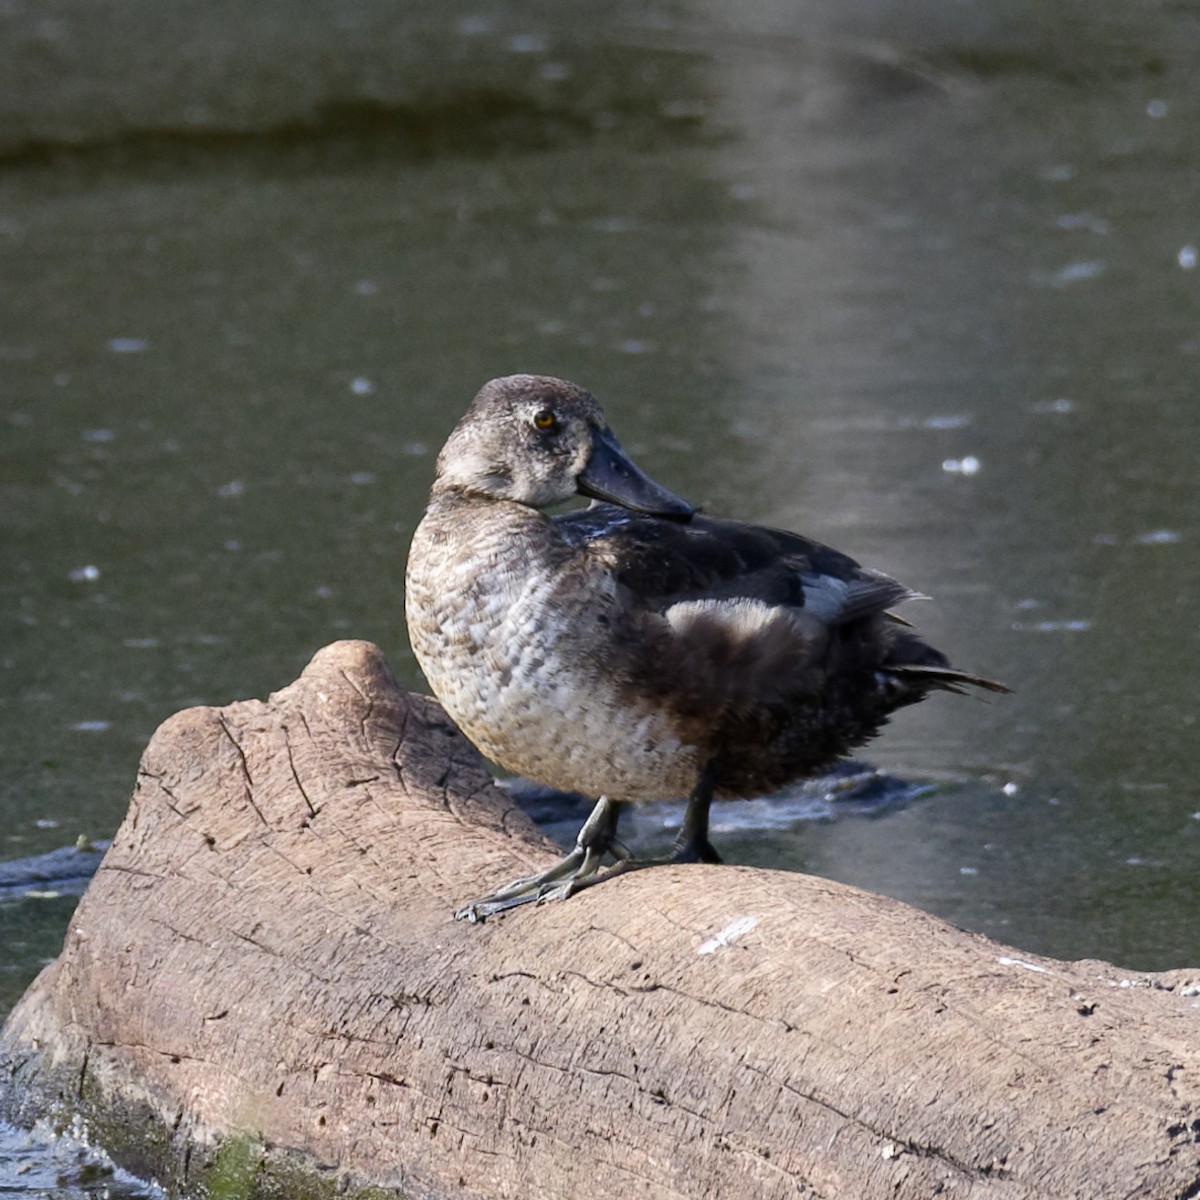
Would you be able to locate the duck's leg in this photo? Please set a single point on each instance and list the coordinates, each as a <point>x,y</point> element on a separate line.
<point>597,837</point>
<point>692,844</point>
<point>581,868</point>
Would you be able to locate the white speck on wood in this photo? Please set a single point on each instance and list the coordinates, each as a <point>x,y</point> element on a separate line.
<point>728,935</point>
<point>1004,961</point>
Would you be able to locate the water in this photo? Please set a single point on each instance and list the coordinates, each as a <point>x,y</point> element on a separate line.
<point>63,1166</point>
<point>916,279</point>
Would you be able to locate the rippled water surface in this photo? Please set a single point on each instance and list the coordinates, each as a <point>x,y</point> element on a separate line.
<point>918,280</point>
<point>40,1163</point>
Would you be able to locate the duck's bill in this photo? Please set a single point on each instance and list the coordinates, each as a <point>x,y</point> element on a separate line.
<point>611,475</point>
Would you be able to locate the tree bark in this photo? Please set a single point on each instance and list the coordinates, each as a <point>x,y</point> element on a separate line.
<point>266,961</point>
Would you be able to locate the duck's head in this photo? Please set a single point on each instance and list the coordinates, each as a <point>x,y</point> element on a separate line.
<point>539,441</point>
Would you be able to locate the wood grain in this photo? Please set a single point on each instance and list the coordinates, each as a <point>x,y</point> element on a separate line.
<point>266,957</point>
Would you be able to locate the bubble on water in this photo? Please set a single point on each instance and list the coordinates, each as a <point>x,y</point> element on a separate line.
<point>235,487</point>
<point>527,43</point>
<point>362,386</point>
<point>1077,625</point>
<point>90,726</point>
<point>87,574</point>
<point>554,72</point>
<point>1187,257</point>
<point>634,346</point>
<point>1061,405</point>
<point>362,478</point>
<point>1158,537</point>
<point>98,435</point>
<point>366,287</point>
<point>1010,788</point>
<point>1084,220</point>
<point>953,421</point>
<point>1076,272</point>
<point>968,870</point>
<point>46,823</point>
<point>128,345</point>
<point>968,465</point>
<point>1156,109</point>
<point>142,643</point>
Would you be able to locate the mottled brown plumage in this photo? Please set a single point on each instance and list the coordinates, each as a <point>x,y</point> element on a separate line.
<point>636,650</point>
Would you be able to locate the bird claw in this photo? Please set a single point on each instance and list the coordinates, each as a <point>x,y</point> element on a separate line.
<point>582,867</point>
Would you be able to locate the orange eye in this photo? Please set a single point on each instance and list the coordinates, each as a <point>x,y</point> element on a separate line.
<point>545,420</point>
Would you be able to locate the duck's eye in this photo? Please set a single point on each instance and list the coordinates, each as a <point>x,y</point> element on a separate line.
<point>545,420</point>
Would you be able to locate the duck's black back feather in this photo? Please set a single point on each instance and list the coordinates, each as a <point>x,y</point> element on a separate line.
<point>665,562</point>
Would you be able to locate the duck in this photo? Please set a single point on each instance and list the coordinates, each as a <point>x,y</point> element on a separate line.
<point>638,649</point>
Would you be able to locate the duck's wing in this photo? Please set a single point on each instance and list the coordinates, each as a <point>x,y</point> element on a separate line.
<point>662,564</point>
<point>722,622</point>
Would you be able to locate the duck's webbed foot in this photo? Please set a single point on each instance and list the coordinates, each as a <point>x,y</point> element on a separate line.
<point>581,868</point>
<point>576,870</point>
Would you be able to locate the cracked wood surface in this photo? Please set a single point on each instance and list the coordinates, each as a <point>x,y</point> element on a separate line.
<point>267,949</point>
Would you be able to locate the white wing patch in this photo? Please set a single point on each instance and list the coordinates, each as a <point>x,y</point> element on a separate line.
<point>742,618</point>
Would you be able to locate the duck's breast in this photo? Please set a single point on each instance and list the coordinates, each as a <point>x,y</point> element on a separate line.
<point>517,637</point>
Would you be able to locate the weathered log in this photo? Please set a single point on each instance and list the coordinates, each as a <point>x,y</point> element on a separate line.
<point>265,973</point>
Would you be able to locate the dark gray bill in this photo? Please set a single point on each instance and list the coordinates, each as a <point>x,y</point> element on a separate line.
<point>610,475</point>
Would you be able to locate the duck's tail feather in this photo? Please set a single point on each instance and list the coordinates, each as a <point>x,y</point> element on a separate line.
<point>945,678</point>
